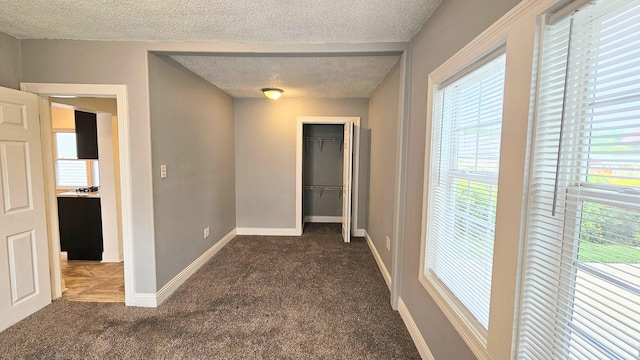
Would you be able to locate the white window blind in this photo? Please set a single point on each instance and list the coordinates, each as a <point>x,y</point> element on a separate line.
<point>71,173</point>
<point>581,284</point>
<point>465,153</point>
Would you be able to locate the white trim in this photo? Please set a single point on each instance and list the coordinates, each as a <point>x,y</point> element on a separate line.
<point>418,339</point>
<point>376,255</point>
<point>355,178</point>
<point>51,203</point>
<point>267,231</point>
<point>300,121</point>
<point>120,93</point>
<point>144,300</point>
<point>170,287</point>
<point>323,219</point>
<point>111,257</point>
<point>359,232</point>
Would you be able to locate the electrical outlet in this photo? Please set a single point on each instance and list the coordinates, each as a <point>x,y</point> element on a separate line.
<point>163,171</point>
<point>388,243</point>
<point>206,232</point>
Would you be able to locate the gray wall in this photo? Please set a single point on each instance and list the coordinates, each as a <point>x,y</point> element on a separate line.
<point>453,25</point>
<point>266,156</point>
<point>10,65</point>
<point>322,165</point>
<point>192,132</point>
<point>383,122</point>
<point>105,62</point>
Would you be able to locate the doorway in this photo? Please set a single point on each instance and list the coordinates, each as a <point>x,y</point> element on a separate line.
<point>44,90</point>
<point>87,192</point>
<point>336,180</point>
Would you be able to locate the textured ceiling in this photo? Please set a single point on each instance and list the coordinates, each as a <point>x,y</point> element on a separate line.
<point>239,21</point>
<point>316,77</point>
<point>245,21</point>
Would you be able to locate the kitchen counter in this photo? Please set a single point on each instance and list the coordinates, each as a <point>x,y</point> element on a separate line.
<point>73,193</point>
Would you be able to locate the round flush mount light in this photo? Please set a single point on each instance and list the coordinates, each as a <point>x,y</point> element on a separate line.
<point>272,93</point>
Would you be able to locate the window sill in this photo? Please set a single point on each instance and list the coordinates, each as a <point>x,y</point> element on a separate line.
<point>467,327</point>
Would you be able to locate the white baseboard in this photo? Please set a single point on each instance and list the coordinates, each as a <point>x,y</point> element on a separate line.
<point>179,279</point>
<point>323,219</point>
<point>144,300</point>
<point>113,257</point>
<point>153,300</point>
<point>359,232</point>
<point>267,231</point>
<point>376,255</point>
<point>418,340</point>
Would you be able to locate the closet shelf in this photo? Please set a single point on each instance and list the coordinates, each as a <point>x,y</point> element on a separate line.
<point>323,188</point>
<point>322,140</point>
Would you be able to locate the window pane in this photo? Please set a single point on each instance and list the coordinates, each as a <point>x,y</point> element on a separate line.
<point>66,145</point>
<point>71,173</point>
<point>605,280</point>
<point>614,142</point>
<point>464,184</point>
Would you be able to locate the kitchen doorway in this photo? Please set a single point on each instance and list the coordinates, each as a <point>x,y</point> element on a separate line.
<point>87,187</point>
<point>119,93</point>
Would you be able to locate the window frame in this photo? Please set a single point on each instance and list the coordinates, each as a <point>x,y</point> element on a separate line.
<point>469,328</point>
<point>573,190</point>
<point>445,167</point>
<point>89,164</point>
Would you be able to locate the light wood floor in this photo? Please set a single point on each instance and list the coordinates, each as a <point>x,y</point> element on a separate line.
<point>93,281</point>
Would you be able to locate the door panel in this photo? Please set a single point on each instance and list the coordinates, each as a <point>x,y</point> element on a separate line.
<point>347,172</point>
<point>25,286</point>
<point>22,266</point>
<point>13,114</point>
<point>15,176</point>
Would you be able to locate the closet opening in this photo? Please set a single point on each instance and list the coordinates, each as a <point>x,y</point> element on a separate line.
<point>322,173</point>
<point>325,172</point>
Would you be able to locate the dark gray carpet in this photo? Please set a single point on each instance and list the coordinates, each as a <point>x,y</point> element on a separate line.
<point>312,297</point>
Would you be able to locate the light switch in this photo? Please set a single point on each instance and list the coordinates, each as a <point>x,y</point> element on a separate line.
<point>163,171</point>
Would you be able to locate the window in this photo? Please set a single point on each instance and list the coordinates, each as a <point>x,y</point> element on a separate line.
<point>581,285</point>
<point>465,154</point>
<point>72,172</point>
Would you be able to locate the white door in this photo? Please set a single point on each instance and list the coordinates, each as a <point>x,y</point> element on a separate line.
<point>347,170</point>
<point>25,285</point>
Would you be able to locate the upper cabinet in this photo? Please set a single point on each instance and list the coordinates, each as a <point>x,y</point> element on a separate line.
<point>86,135</point>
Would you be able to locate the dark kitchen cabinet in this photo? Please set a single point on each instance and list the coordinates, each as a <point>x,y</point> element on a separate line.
<point>80,223</point>
<point>86,135</point>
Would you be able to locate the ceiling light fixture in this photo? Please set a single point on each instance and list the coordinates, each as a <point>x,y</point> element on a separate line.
<point>272,93</point>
